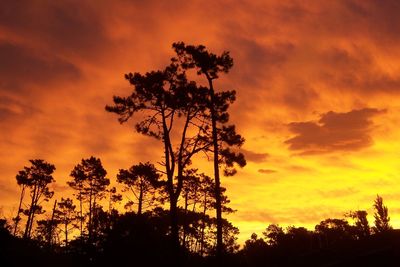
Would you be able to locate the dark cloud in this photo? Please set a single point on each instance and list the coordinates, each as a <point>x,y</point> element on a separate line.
<point>257,61</point>
<point>376,18</point>
<point>355,70</point>
<point>300,97</point>
<point>13,114</point>
<point>266,171</point>
<point>72,26</point>
<point>333,132</point>
<point>20,66</point>
<point>373,82</point>
<point>255,156</point>
<point>12,110</point>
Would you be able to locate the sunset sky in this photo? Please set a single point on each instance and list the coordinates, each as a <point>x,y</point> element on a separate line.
<point>318,96</point>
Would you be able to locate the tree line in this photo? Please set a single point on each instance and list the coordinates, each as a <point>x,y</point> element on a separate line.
<point>106,236</point>
<point>91,215</point>
<point>346,241</point>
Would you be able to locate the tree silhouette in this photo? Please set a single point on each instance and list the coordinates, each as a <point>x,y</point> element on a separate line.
<point>114,197</point>
<point>298,238</point>
<point>66,215</point>
<point>255,251</point>
<point>142,180</point>
<point>381,216</point>
<point>274,234</point>
<point>192,184</point>
<point>229,235</point>
<point>333,231</point>
<point>89,178</point>
<point>198,199</point>
<point>207,191</point>
<point>37,177</point>
<point>121,237</point>
<point>167,100</point>
<point>23,183</point>
<point>102,223</point>
<point>222,137</point>
<point>47,229</point>
<point>362,228</point>
<point>190,191</point>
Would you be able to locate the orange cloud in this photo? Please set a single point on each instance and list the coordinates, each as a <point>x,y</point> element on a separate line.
<point>255,156</point>
<point>333,132</point>
<point>266,171</point>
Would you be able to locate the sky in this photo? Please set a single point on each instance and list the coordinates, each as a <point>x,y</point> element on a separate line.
<point>318,96</point>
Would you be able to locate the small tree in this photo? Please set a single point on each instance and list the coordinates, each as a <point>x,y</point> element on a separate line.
<point>78,184</point>
<point>46,231</point>
<point>142,180</point>
<point>37,177</point>
<point>334,230</point>
<point>381,216</point>
<point>114,198</point>
<point>361,226</point>
<point>65,215</point>
<point>274,234</point>
<point>191,190</point>
<point>89,178</point>
<point>23,183</point>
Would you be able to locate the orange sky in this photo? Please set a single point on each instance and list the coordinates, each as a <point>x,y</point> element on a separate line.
<point>318,87</point>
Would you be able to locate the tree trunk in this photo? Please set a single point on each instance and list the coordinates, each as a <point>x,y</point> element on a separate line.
<point>90,213</point>
<point>81,212</point>
<point>109,203</point>
<point>140,200</point>
<point>203,225</point>
<point>173,210</point>
<point>31,221</point>
<point>17,218</point>
<point>185,221</point>
<point>174,229</point>
<point>51,224</point>
<point>30,215</point>
<point>35,206</point>
<point>94,226</point>
<point>216,174</point>
<point>66,231</point>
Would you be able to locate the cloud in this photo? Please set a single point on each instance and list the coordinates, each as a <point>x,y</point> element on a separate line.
<point>12,109</point>
<point>266,171</point>
<point>254,156</point>
<point>21,66</point>
<point>355,69</point>
<point>378,16</point>
<point>333,132</point>
<point>257,60</point>
<point>300,97</point>
<point>297,168</point>
<point>74,27</point>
